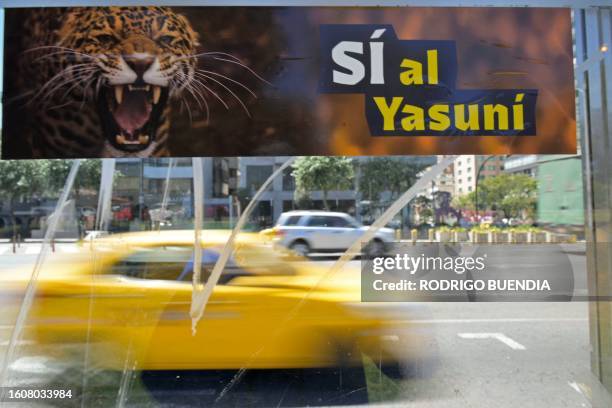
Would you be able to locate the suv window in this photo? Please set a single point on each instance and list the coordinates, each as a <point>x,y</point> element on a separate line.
<point>291,220</point>
<point>328,221</point>
<point>340,222</point>
<point>318,221</point>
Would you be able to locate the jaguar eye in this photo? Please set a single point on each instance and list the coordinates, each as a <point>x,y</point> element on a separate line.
<point>165,39</point>
<point>105,38</point>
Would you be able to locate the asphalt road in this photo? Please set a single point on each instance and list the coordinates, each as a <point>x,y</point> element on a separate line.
<point>493,354</point>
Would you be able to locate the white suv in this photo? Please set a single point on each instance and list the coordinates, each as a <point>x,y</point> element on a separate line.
<point>322,231</point>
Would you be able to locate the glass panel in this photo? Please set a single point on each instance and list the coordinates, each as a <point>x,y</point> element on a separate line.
<point>107,315</point>
<point>110,314</point>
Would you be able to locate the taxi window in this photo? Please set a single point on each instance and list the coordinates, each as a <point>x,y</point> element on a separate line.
<point>172,263</point>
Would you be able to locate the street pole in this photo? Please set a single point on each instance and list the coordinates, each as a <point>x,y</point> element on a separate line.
<point>433,203</point>
<point>141,191</point>
<point>231,210</point>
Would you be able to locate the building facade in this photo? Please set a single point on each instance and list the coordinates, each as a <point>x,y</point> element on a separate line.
<point>468,169</point>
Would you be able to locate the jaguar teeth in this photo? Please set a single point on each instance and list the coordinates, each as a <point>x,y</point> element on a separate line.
<point>156,94</point>
<point>119,93</point>
<point>120,139</point>
<point>143,139</point>
<point>138,88</point>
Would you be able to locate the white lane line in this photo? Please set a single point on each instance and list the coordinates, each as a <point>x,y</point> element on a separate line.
<point>33,249</point>
<point>35,365</point>
<point>575,386</point>
<point>19,343</point>
<point>579,389</point>
<point>501,320</point>
<point>69,249</point>
<point>515,345</point>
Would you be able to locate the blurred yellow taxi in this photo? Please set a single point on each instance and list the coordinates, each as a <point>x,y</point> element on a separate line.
<point>127,298</point>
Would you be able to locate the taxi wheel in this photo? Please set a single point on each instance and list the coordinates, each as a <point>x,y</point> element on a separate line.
<point>395,371</point>
<point>301,248</point>
<point>375,248</point>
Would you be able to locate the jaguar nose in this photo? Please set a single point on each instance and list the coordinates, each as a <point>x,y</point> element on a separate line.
<point>139,64</point>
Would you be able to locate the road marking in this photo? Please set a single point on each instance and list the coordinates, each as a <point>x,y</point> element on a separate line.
<point>502,320</point>
<point>575,386</point>
<point>515,345</point>
<point>69,249</point>
<point>35,365</point>
<point>33,249</point>
<point>579,389</point>
<point>19,343</point>
<point>3,250</point>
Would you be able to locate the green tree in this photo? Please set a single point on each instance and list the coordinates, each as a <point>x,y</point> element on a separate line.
<point>22,178</point>
<point>323,173</point>
<point>380,174</point>
<point>423,207</point>
<point>88,176</point>
<point>464,202</point>
<point>27,179</point>
<point>513,194</point>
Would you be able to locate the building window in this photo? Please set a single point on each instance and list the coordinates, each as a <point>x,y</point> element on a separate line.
<point>288,180</point>
<point>548,183</point>
<point>256,175</point>
<point>220,177</point>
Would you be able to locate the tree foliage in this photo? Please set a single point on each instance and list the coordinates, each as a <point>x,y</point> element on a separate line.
<point>464,202</point>
<point>380,174</point>
<point>44,178</point>
<point>88,176</point>
<point>323,173</point>
<point>512,194</point>
<point>22,177</point>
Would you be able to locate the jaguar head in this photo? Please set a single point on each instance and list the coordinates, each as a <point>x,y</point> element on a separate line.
<point>131,60</point>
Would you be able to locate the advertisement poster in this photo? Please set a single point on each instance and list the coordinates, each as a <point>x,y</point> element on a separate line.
<point>257,81</point>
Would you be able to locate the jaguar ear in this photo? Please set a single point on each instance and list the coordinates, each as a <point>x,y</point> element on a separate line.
<point>194,36</point>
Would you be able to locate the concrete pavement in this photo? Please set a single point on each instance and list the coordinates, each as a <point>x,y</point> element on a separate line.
<point>490,354</point>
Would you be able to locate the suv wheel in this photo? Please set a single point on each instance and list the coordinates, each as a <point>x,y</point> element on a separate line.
<point>301,248</point>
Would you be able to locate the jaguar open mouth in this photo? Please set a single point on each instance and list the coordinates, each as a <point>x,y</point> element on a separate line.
<point>130,114</point>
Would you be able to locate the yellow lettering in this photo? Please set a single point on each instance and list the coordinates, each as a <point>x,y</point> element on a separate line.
<point>438,115</point>
<point>432,67</point>
<point>517,113</point>
<point>490,111</point>
<point>388,111</point>
<point>415,120</point>
<point>414,74</point>
<point>471,123</point>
